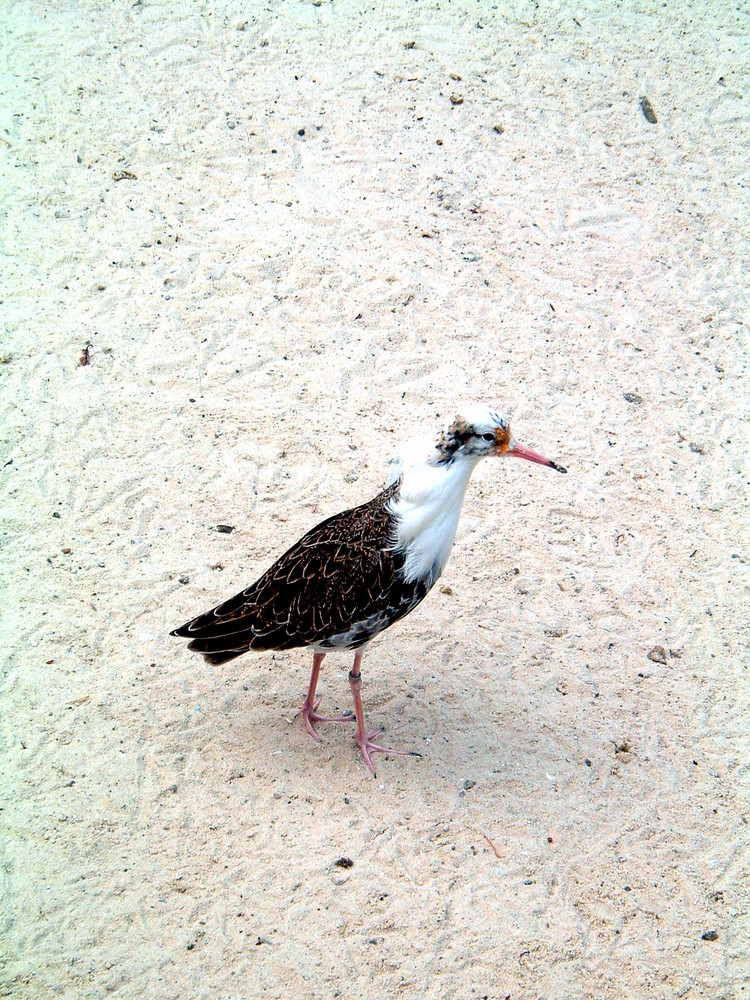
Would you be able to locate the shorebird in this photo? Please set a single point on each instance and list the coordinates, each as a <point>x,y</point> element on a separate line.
<point>356,573</point>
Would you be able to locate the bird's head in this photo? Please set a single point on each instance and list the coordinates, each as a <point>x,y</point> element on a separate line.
<point>478,432</point>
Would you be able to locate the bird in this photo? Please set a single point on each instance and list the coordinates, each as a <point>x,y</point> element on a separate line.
<point>358,572</point>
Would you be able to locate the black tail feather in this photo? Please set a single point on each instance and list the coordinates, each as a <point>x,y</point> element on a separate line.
<point>217,658</point>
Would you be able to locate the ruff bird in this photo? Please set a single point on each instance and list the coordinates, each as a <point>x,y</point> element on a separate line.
<point>356,573</point>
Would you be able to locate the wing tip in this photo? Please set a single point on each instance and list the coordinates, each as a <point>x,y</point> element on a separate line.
<point>215,659</point>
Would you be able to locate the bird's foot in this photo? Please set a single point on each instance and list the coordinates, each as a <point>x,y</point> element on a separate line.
<point>311,716</point>
<point>367,746</point>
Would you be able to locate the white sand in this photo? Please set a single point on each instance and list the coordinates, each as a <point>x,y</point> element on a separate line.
<point>267,313</point>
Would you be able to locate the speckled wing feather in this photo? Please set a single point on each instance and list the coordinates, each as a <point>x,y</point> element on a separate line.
<point>337,586</point>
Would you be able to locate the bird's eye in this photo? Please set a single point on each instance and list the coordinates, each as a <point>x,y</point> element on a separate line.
<point>488,437</point>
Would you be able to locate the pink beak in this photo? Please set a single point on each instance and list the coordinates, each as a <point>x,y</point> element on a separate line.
<point>520,451</point>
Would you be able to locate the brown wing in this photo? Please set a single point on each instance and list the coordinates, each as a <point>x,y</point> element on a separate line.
<point>337,574</point>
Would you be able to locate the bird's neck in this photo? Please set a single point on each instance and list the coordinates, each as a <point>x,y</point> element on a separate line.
<point>426,513</point>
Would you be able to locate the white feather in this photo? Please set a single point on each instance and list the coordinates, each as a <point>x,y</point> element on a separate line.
<point>431,496</point>
<point>427,513</point>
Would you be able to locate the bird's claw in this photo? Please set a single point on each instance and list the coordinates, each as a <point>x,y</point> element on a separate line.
<point>310,716</point>
<point>367,746</point>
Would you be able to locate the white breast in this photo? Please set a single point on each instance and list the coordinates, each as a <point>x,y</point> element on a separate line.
<point>427,511</point>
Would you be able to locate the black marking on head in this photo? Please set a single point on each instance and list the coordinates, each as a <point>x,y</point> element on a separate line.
<point>454,438</point>
<point>463,435</point>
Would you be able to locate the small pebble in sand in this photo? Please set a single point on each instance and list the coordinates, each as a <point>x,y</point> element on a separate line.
<point>456,99</point>
<point>623,750</point>
<point>225,529</point>
<point>710,936</point>
<point>648,111</point>
<point>658,654</point>
<point>344,863</point>
<point>632,397</point>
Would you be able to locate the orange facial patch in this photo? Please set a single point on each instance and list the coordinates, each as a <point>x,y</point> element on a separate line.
<point>502,438</point>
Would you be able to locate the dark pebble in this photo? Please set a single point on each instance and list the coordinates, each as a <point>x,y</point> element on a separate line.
<point>225,529</point>
<point>710,936</point>
<point>658,655</point>
<point>300,131</point>
<point>344,863</point>
<point>469,784</point>
<point>184,579</point>
<point>632,397</point>
<point>648,111</point>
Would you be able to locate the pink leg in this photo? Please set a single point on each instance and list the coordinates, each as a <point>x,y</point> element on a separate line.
<point>364,741</point>
<point>309,705</point>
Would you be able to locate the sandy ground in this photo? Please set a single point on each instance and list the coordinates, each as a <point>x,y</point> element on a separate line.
<point>342,222</point>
